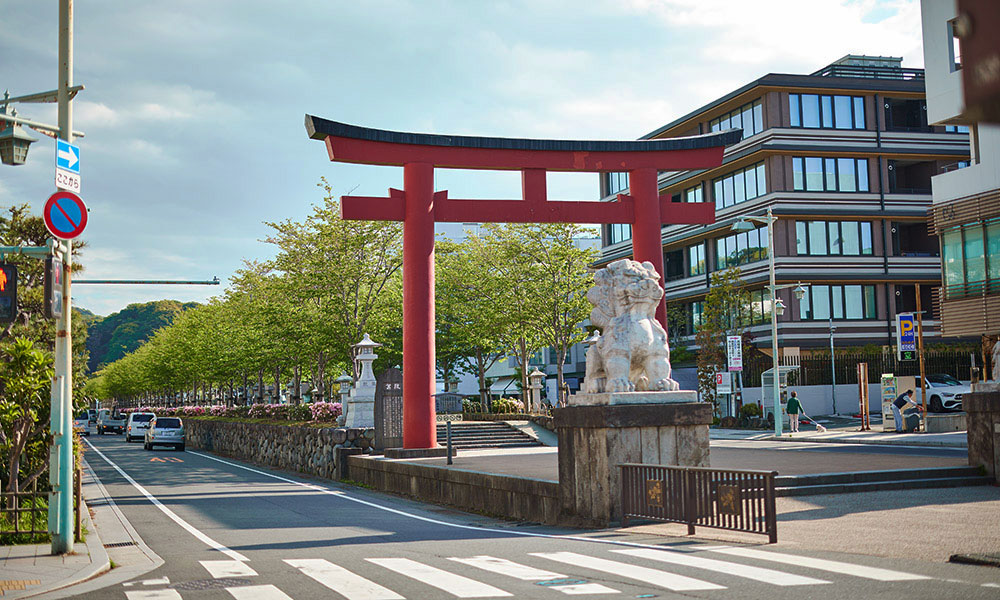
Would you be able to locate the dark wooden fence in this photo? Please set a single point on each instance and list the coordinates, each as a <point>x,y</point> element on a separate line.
<point>737,500</point>
<point>815,370</point>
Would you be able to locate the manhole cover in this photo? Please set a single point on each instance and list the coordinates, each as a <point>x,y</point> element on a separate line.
<point>210,584</point>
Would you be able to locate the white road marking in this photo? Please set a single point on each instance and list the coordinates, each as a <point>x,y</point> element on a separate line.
<point>832,566</point>
<point>173,516</point>
<point>459,586</point>
<point>160,581</point>
<point>528,573</point>
<point>342,581</point>
<point>154,595</point>
<point>227,568</point>
<point>508,568</point>
<point>670,581</point>
<point>721,566</point>
<point>258,592</point>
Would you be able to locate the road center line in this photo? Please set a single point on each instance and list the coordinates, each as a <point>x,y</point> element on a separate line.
<point>173,516</point>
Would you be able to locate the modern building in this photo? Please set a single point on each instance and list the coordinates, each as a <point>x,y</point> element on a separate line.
<point>966,202</point>
<point>844,158</point>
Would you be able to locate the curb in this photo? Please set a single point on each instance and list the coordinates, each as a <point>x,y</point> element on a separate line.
<point>864,442</point>
<point>99,561</point>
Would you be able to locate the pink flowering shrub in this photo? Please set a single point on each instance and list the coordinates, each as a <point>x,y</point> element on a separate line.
<point>325,411</point>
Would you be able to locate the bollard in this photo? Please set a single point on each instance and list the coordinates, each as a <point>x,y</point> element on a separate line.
<point>448,424</point>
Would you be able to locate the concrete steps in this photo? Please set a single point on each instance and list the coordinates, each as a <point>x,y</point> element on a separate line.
<point>484,435</point>
<point>873,481</point>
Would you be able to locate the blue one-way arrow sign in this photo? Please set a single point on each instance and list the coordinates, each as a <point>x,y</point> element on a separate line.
<point>67,157</point>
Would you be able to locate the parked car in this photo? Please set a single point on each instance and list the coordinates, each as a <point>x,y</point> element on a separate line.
<point>944,393</point>
<point>81,424</point>
<point>137,424</point>
<point>110,421</point>
<point>165,431</point>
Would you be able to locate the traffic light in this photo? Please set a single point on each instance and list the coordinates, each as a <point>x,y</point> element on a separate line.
<point>8,293</point>
<point>53,287</point>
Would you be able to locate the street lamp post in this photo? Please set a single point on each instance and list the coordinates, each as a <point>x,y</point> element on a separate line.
<point>744,224</point>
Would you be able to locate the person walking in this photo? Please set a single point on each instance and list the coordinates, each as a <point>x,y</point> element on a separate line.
<point>904,399</point>
<point>794,409</point>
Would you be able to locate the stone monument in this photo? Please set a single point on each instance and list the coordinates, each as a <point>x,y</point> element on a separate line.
<point>630,411</point>
<point>361,403</point>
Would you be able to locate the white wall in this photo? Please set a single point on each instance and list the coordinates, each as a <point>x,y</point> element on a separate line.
<point>976,178</point>
<point>818,399</point>
<point>944,86</point>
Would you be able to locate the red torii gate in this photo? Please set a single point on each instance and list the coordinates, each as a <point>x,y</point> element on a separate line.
<point>419,207</point>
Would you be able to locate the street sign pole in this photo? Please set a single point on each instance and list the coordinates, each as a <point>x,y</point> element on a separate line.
<point>61,471</point>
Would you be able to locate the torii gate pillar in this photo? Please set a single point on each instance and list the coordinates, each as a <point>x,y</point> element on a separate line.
<point>419,207</point>
<point>419,418</point>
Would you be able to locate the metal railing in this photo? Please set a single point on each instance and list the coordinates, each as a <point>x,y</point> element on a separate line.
<point>737,500</point>
<point>25,512</point>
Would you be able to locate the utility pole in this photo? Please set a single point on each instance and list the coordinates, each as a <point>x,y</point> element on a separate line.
<point>61,459</point>
<point>833,369</point>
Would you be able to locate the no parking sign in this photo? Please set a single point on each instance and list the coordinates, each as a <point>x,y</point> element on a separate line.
<point>65,215</point>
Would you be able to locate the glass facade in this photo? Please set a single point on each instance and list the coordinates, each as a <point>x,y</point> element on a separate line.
<point>749,118</point>
<point>972,259</point>
<point>617,182</point>
<point>739,186</point>
<point>829,112</point>
<point>837,302</point>
<point>821,238</point>
<point>816,174</point>
<point>696,259</point>
<point>618,232</point>
<point>741,248</point>
<point>693,194</point>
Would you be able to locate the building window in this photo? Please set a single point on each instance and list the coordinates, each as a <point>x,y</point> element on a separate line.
<point>824,238</point>
<point>955,48</point>
<point>617,182</point>
<point>618,232</point>
<point>749,118</point>
<point>956,129</point>
<point>830,112</point>
<point>696,259</point>
<point>739,186</point>
<point>815,174</point>
<point>758,311</point>
<point>695,310</point>
<point>972,259</point>
<point>693,194</point>
<point>825,302</point>
<point>741,248</point>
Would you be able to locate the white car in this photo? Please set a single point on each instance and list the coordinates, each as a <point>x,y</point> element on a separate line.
<point>137,424</point>
<point>944,393</point>
<point>165,431</point>
<point>81,424</point>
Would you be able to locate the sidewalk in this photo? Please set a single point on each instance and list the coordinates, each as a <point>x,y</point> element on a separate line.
<point>31,571</point>
<point>842,430</point>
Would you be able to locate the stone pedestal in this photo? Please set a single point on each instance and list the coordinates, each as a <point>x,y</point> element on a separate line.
<point>983,421</point>
<point>594,439</point>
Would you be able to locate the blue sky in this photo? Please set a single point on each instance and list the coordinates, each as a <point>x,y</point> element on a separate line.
<point>193,110</point>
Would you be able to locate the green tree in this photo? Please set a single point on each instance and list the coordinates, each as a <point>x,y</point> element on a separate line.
<point>26,376</point>
<point>724,313</point>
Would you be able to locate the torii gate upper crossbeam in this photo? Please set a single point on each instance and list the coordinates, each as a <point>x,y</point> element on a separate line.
<point>419,207</point>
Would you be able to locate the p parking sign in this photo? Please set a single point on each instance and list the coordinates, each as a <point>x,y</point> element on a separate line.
<point>906,337</point>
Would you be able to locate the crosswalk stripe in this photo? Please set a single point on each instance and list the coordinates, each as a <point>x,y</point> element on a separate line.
<point>756,573</point>
<point>528,573</point>
<point>154,595</point>
<point>459,586</point>
<point>228,568</point>
<point>646,575</point>
<point>258,592</point>
<point>822,564</point>
<point>342,581</point>
<point>508,568</point>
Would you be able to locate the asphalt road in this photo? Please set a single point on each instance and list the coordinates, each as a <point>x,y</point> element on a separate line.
<point>230,530</point>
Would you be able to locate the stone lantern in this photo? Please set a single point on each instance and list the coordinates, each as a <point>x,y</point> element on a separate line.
<point>344,382</point>
<point>536,377</point>
<point>362,401</point>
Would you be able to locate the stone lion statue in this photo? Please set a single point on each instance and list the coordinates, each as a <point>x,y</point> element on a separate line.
<point>632,353</point>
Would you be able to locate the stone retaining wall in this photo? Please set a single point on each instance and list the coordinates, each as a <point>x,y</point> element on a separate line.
<point>302,449</point>
<point>486,493</point>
